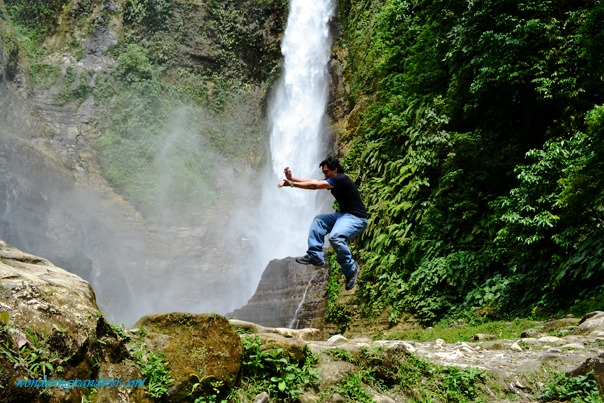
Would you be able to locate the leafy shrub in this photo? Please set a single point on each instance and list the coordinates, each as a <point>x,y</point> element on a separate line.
<point>133,65</point>
<point>434,383</point>
<point>152,13</point>
<point>353,388</point>
<point>275,371</point>
<point>154,368</point>
<point>35,13</point>
<point>36,357</point>
<point>563,388</point>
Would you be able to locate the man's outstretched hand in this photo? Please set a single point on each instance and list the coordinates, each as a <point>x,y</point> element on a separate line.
<point>284,183</point>
<point>288,178</point>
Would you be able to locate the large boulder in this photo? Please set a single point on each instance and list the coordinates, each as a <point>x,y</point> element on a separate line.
<point>52,330</point>
<point>203,351</point>
<point>591,324</point>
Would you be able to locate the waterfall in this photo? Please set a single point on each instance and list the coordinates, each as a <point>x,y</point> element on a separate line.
<point>293,324</point>
<point>299,130</point>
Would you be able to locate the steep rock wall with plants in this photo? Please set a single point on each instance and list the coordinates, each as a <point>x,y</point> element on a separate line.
<point>119,80</point>
<point>475,129</point>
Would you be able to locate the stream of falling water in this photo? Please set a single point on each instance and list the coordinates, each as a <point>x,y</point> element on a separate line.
<point>299,130</point>
<point>293,324</point>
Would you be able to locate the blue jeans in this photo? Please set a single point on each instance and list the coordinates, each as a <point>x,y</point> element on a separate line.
<point>342,228</point>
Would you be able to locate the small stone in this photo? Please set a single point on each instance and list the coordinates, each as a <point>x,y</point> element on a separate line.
<point>307,398</point>
<point>483,336</point>
<point>519,385</point>
<point>379,398</point>
<point>395,345</point>
<point>575,346</point>
<point>516,347</point>
<point>551,339</point>
<point>548,357</point>
<point>336,398</point>
<point>262,398</point>
<point>598,335</point>
<point>21,343</point>
<point>492,345</point>
<point>533,333</point>
<point>336,340</point>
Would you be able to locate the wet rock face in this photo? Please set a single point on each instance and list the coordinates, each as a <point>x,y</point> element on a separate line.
<point>289,295</point>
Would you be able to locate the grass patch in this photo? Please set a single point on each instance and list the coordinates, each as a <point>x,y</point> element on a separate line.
<point>452,333</point>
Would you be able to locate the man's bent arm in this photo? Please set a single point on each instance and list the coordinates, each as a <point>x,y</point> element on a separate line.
<point>310,184</point>
<point>303,183</point>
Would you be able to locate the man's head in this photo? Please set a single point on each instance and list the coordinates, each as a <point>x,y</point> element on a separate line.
<point>331,167</point>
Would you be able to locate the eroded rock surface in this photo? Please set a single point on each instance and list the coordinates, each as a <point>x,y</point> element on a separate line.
<point>289,295</point>
<point>52,328</point>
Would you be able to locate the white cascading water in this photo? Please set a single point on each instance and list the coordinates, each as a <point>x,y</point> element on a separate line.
<point>298,129</point>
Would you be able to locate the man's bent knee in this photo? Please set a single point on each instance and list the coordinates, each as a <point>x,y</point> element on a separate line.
<point>337,239</point>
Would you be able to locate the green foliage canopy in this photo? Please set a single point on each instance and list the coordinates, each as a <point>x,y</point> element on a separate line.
<point>479,152</point>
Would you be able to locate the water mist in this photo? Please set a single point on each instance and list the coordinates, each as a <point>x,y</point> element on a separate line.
<point>191,255</point>
<point>299,131</point>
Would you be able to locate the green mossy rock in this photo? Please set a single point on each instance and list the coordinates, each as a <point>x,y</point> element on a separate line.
<point>201,349</point>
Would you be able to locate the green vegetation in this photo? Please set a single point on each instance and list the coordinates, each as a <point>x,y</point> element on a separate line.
<point>154,369</point>
<point>34,356</point>
<point>410,376</point>
<point>563,388</point>
<point>445,384</point>
<point>37,18</point>
<point>479,152</point>
<point>152,365</point>
<point>455,332</point>
<point>341,354</point>
<point>274,371</point>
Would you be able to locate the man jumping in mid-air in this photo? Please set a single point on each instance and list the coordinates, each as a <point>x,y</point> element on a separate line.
<point>342,226</point>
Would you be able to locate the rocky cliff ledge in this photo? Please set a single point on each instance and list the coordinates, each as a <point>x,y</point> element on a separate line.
<point>289,295</point>
<point>50,328</point>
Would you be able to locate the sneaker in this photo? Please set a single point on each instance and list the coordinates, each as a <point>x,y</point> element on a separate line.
<point>352,280</point>
<point>310,260</point>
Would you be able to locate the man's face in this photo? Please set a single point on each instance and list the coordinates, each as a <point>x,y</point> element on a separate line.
<point>328,172</point>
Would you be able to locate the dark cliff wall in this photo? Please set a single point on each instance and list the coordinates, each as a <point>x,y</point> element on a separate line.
<point>289,295</point>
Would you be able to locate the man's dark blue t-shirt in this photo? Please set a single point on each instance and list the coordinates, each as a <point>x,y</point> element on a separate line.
<point>347,195</point>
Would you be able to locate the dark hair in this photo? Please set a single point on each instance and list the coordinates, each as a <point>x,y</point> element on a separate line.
<point>332,163</point>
